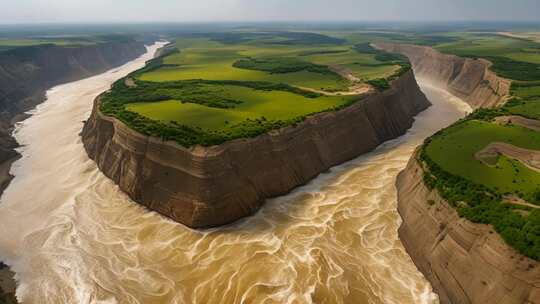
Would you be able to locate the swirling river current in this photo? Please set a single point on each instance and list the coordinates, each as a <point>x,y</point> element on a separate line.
<point>72,236</point>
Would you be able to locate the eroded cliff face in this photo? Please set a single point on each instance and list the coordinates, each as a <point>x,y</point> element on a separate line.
<point>469,79</point>
<point>210,186</point>
<point>465,262</point>
<point>27,72</point>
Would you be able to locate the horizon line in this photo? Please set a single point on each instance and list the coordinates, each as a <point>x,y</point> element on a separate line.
<point>288,21</point>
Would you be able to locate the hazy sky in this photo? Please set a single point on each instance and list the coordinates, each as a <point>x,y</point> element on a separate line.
<point>30,11</point>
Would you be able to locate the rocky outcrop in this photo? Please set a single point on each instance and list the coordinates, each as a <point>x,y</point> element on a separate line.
<point>469,79</point>
<point>465,262</point>
<point>210,186</point>
<point>27,72</point>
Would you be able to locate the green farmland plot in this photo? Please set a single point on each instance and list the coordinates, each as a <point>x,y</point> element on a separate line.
<point>454,149</point>
<point>273,105</point>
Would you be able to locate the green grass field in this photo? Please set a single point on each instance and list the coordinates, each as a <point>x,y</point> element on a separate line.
<point>528,109</point>
<point>486,45</point>
<point>527,92</point>
<point>454,149</point>
<point>273,105</point>
<point>210,88</point>
<point>216,63</point>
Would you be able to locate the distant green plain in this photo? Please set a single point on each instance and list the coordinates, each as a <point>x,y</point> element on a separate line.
<point>205,59</point>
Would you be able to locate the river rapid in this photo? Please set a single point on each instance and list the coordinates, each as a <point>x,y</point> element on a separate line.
<point>72,236</point>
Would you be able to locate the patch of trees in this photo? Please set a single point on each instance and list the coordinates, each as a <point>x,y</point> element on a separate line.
<point>382,84</point>
<point>282,65</point>
<point>401,37</point>
<point>185,91</point>
<point>513,69</point>
<point>305,38</point>
<point>321,52</point>
<point>272,37</point>
<point>365,48</point>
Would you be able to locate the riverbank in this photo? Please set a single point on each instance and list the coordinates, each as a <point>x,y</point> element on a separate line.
<point>21,89</point>
<point>8,283</point>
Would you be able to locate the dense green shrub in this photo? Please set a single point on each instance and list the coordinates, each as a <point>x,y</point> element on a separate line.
<point>382,84</point>
<point>282,65</point>
<point>513,69</point>
<point>270,37</point>
<point>365,48</point>
<point>321,52</point>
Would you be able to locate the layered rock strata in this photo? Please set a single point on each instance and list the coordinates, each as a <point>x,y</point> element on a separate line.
<point>469,79</point>
<point>27,72</point>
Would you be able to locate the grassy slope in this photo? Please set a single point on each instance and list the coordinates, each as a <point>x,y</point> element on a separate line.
<point>454,149</point>
<point>270,104</point>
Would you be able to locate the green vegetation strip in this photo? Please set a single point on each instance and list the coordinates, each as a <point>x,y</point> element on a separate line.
<point>282,65</point>
<point>122,103</point>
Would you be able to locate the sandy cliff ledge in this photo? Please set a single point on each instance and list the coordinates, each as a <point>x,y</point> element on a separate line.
<point>465,262</point>
<point>469,79</point>
<point>210,186</point>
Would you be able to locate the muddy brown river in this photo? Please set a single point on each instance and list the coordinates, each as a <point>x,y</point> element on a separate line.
<point>72,237</point>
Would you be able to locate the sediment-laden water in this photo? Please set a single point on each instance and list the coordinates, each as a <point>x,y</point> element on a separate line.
<point>72,237</point>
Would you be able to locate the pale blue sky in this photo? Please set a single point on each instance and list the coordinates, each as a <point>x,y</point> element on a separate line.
<point>30,11</point>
